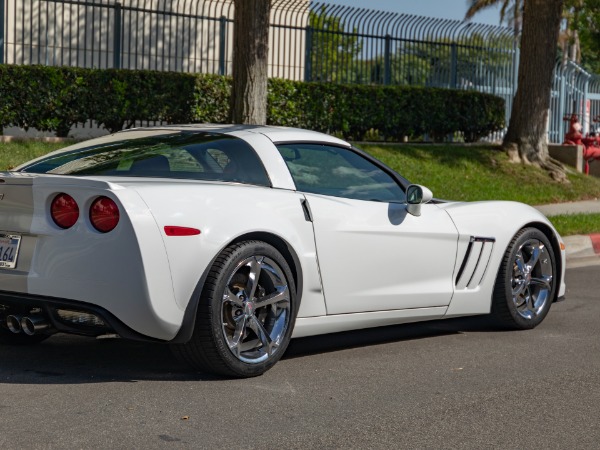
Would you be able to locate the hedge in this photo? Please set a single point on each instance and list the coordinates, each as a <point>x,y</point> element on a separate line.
<point>56,98</point>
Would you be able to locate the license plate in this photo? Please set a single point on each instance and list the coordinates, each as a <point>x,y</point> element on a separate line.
<point>9,249</point>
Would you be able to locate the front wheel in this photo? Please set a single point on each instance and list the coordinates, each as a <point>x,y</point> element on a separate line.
<point>526,281</point>
<point>246,313</point>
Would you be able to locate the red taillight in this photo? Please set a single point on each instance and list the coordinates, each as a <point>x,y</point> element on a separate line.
<point>64,210</point>
<point>104,214</point>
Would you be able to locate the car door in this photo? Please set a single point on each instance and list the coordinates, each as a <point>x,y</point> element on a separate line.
<point>373,255</point>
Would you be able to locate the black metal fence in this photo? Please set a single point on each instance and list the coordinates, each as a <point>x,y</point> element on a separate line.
<point>309,40</point>
<point>330,42</point>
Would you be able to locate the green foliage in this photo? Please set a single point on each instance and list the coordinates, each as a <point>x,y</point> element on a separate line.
<point>390,112</point>
<point>584,17</point>
<point>333,52</point>
<point>51,98</point>
<point>13,154</point>
<point>41,97</point>
<point>569,224</point>
<point>55,98</point>
<point>477,60</point>
<point>473,60</point>
<point>122,97</point>
<point>472,173</point>
<point>210,101</point>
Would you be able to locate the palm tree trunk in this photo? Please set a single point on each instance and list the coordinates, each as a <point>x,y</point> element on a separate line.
<point>526,139</point>
<point>250,59</point>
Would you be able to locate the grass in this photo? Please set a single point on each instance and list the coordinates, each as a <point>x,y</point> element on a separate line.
<point>451,172</point>
<point>569,224</point>
<point>480,173</point>
<point>13,154</point>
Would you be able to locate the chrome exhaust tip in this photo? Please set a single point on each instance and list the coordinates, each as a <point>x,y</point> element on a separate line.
<point>14,323</point>
<point>34,324</point>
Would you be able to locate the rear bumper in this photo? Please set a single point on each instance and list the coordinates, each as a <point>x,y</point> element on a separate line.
<point>18,303</point>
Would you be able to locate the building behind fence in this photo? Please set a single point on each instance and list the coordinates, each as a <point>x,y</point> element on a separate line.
<point>311,41</point>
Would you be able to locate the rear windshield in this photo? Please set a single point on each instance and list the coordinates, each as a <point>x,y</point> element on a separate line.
<point>189,155</point>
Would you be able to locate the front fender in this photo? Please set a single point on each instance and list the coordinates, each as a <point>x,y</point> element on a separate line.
<point>499,220</point>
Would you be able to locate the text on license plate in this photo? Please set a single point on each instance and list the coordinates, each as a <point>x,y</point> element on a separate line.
<point>9,249</point>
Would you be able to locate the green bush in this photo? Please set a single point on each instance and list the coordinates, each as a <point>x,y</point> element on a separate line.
<point>122,97</point>
<point>210,102</point>
<point>392,112</point>
<point>55,98</point>
<point>42,97</point>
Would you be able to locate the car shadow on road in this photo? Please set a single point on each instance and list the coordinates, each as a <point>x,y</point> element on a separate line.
<point>66,359</point>
<point>394,333</point>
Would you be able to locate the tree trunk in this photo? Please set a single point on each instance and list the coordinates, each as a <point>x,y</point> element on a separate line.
<point>250,53</point>
<point>526,139</point>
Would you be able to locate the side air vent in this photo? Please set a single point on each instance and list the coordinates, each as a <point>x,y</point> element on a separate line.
<point>475,262</point>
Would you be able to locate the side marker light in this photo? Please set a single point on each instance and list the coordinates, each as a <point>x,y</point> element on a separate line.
<point>172,230</point>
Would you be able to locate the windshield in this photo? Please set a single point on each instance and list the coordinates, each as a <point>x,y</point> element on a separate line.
<point>181,154</point>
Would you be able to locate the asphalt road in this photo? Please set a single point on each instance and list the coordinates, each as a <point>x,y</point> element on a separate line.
<point>444,384</point>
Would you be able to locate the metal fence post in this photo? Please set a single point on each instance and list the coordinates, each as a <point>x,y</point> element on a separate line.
<point>308,54</point>
<point>387,65</point>
<point>222,37</point>
<point>117,37</point>
<point>516,58</point>
<point>563,103</point>
<point>1,31</point>
<point>586,90</point>
<point>453,65</point>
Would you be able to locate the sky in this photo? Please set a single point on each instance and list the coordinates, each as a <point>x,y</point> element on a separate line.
<point>446,9</point>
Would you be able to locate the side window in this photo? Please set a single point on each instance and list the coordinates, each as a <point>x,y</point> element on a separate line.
<point>339,172</point>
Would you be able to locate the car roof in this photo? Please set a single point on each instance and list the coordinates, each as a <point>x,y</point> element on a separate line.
<point>275,133</point>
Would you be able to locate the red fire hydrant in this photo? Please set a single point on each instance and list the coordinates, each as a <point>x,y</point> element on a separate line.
<point>591,144</point>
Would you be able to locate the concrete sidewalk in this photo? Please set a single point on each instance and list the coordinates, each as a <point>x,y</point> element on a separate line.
<point>581,249</point>
<point>584,207</point>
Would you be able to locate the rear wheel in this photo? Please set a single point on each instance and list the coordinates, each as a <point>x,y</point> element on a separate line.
<point>526,281</point>
<point>246,313</point>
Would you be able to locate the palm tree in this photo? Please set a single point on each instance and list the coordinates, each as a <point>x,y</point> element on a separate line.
<point>525,140</point>
<point>511,13</point>
<point>569,36</point>
<point>514,8</point>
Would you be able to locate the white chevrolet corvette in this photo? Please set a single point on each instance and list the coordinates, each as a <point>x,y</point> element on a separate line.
<point>228,241</point>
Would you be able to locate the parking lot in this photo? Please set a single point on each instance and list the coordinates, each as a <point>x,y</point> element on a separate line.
<point>444,384</point>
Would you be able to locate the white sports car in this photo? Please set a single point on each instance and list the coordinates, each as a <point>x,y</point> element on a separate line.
<point>228,241</point>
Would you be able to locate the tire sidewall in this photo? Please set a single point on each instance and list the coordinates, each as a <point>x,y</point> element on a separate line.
<point>527,234</point>
<point>244,251</point>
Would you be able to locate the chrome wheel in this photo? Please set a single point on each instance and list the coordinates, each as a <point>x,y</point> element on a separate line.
<point>255,309</point>
<point>246,312</point>
<point>526,281</point>
<point>532,279</point>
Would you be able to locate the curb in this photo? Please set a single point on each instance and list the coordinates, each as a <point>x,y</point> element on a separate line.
<point>595,238</point>
<point>582,246</point>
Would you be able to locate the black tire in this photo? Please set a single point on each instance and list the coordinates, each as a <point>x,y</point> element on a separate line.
<point>526,281</point>
<point>242,328</point>
<point>7,337</point>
